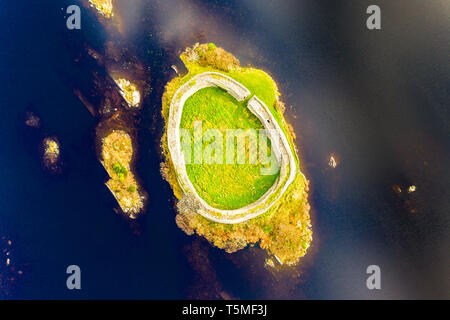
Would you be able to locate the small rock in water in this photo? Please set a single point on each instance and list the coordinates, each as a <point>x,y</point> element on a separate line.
<point>32,120</point>
<point>332,162</point>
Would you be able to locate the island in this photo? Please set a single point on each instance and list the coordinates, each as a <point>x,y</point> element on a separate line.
<point>51,154</point>
<point>230,157</point>
<point>117,153</point>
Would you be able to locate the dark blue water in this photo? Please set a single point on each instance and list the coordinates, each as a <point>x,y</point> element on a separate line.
<point>378,100</point>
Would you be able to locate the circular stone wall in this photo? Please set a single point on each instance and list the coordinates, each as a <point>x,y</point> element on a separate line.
<point>280,146</point>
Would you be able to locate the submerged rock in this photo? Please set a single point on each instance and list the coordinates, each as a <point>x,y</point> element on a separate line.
<point>32,120</point>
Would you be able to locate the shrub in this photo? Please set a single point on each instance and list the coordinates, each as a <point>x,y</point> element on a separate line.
<point>120,170</point>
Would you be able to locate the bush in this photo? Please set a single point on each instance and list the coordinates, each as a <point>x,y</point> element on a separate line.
<point>120,170</point>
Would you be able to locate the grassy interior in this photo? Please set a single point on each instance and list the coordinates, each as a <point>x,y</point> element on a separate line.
<point>224,186</point>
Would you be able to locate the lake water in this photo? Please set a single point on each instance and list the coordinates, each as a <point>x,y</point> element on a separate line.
<point>376,100</point>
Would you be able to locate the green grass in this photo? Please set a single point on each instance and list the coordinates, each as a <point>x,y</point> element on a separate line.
<point>224,186</point>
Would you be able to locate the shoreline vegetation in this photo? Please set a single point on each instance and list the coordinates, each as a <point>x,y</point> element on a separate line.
<point>285,229</point>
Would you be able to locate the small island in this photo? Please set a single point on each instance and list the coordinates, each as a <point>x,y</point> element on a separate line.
<point>104,7</point>
<point>129,92</point>
<point>117,153</point>
<point>254,194</point>
<point>51,154</point>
